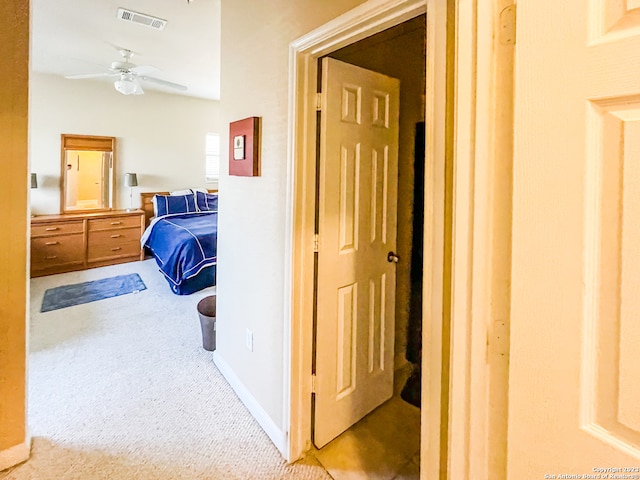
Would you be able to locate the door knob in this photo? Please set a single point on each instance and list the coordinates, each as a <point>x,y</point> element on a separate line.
<point>392,257</point>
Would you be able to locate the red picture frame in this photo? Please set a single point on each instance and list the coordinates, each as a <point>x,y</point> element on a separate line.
<point>244,147</point>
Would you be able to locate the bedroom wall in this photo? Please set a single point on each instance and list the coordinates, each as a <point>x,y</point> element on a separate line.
<point>160,136</point>
<point>251,242</point>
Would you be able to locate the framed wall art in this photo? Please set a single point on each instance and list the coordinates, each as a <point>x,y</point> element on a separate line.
<point>244,147</point>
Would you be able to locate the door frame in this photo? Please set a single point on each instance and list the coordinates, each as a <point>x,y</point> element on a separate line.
<point>461,119</point>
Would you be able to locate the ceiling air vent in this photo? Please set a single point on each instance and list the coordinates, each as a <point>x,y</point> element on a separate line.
<point>141,18</point>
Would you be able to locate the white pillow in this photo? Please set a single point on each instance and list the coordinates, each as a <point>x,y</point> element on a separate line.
<point>187,191</point>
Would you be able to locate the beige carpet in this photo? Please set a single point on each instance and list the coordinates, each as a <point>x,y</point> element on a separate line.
<point>122,389</point>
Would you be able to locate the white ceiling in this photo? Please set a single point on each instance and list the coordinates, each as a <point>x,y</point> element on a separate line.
<point>71,37</point>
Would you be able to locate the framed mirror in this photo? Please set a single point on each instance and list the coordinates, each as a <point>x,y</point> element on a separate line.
<point>87,173</point>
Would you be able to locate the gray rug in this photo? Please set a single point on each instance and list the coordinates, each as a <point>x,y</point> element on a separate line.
<point>85,292</point>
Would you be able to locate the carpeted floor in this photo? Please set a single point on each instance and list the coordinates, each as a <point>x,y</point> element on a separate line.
<point>122,389</point>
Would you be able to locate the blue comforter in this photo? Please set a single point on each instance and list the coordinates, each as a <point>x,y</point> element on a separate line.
<point>183,244</point>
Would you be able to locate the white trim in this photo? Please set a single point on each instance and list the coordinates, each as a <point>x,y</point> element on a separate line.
<point>365,20</point>
<point>462,248</point>
<point>15,455</point>
<point>433,250</point>
<point>479,278</point>
<point>361,22</point>
<point>479,325</point>
<point>277,436</point>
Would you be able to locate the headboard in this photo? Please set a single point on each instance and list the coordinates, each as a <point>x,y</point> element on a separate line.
<point>147,204</point>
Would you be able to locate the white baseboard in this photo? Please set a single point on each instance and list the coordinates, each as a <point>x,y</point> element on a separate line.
<point>15,455</point>
<point>277,436</point>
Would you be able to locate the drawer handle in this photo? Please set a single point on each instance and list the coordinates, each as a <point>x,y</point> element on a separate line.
<point>115,249</point>
<point>116,236</point>
<point>50,229</point>
<point>116,223</point>
<point>51,243</point>
<point>52,257</point>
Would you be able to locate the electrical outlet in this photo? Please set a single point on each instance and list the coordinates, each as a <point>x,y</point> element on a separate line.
<point>248,339</point>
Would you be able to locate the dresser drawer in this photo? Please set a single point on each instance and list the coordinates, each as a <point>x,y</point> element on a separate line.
<point>101,252</point>
<point>113,237</point>
<point>49,252</point>
<point>113,243</point>
<point>60,228</point>
<point>97,224</point>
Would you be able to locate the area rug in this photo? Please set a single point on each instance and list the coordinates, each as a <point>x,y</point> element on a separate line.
<point>69,295</point>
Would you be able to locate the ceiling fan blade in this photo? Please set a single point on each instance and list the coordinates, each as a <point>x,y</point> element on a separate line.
<point>142,70</point>
<point>177,86</point>
<point>90,75</point>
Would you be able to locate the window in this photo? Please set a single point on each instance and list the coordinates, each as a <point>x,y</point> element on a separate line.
<point>212,157</point>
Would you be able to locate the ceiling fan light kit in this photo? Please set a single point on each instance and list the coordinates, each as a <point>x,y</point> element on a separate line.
<point>128,85</point>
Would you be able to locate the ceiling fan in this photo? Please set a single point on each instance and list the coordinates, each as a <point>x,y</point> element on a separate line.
<point>128,76</point>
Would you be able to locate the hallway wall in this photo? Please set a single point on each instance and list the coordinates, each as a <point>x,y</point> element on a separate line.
<point>251,225</point>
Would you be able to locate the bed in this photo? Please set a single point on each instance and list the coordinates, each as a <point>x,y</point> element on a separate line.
<point>181,234</point>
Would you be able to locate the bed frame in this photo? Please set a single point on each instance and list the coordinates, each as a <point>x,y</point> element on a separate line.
<point>147,204</point>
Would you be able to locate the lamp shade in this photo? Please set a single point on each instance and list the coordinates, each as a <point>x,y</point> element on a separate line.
<point>34,180</point>
<point>130,180</point>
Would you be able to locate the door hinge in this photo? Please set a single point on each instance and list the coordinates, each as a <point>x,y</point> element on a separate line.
<point>313,383</point>
<point>318,101</point>
<point>316,243</point>
<point>507,27</point>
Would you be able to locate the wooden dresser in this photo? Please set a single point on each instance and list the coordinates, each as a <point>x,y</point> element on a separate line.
<point>63,243</point>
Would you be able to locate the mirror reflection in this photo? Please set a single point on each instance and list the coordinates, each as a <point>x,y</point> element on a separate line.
<point>87,173</point>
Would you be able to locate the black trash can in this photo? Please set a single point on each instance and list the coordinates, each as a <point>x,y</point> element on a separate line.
<point>207,313</point>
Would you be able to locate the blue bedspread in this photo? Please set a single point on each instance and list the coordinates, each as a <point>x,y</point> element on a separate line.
<point>183,245</point>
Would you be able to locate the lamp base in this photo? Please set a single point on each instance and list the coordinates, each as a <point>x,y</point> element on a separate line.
<point>130,209</point>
